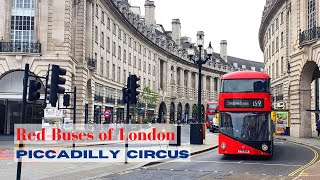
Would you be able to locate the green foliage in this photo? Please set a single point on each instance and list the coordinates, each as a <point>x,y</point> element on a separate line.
<point>149,96</point>
<point>146,121</point>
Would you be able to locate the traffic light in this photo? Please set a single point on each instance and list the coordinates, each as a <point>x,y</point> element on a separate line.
<point>56,80</point>
<point>133,86</point>
<point>66,100</point>
<point>125,95</point>
<point>34,90</point>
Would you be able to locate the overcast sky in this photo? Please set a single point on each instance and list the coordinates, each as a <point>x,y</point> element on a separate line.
<point>236,21</point>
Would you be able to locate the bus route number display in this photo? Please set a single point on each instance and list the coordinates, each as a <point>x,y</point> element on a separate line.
<point>244,103</point>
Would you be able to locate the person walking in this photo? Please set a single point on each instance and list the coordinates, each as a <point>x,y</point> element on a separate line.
<point>318,128</point>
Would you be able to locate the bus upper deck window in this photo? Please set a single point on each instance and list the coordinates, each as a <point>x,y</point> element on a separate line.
<point>259,86</point>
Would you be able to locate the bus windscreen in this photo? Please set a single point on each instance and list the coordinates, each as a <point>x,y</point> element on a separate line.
<point>248,126</point>
<point>245,85</point>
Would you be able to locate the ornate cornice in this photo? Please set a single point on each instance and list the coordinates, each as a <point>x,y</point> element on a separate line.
<point>270,9</point>
<point>168,46</point>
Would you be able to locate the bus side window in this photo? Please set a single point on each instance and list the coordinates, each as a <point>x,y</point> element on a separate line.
<point>258,86</point>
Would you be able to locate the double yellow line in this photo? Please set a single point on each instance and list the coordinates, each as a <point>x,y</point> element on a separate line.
<point>315,158</point>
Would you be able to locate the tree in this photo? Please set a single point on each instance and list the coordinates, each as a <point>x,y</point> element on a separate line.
<point>148,97</point>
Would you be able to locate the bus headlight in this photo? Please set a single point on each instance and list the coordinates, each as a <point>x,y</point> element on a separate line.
<point>223,145</point>
<point>265,147</point>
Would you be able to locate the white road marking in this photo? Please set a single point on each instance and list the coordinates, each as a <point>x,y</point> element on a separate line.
<point>221,162</point>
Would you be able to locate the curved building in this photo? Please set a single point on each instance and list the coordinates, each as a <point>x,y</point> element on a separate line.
<point>288,37</point>
<point>101,42</point>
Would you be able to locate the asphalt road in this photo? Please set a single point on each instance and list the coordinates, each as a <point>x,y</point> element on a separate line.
<point>288,157</point>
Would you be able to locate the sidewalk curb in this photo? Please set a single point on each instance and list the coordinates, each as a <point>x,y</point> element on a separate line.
<point>191,154</point>
<point>297,142</point>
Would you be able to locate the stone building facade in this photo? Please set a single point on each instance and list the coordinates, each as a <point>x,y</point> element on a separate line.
<point>101,42</point>
<point>289,37</point>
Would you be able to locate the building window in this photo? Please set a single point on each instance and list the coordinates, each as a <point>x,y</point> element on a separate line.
<point>108,44</point>
<point>154,57</point>
<point>145,52</point>
<point>124,37</point>
<point>269,51</point>
<point>108,23</point>
<point>149,69</point>
<point>124,56</point>
<point>311,14</point>
<point>119,52</point>
<point>272,47</point>
<point>272,28</point>
<point>107,69</point>
<point>124,77</point>
<point>102,40</point>
<point>243,66</point>
<point>154,70</point>
<point>281,18</point>
<point>277,23</point>
<point>96,34</point>
<point>135,46</point>
<point>144,66</point>
<point>119,72</point>
<point>253,68</point>
<point>281,65</point>
<point>144,82</point>
<point>97,10</point>
<point>114,28</point>
<point>134,61</point>
<point>139,65</point>
<point>277,71</point>
<point>140,48</point>
<point>102,17</point>
<point>22,23</point>
<point>114,72</point>
<point>119,32</point>
<point>277,44</point>
<point>149,55</point>
<point>273,75</point>
<point>235,65</point>
<point>101,66</point>
<point>114,48</point>
<point>129,58</point>
<point>281,39</point>
<point>130,41</point>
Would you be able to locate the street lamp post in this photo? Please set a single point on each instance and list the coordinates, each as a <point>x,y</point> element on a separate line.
<point>201,60</point>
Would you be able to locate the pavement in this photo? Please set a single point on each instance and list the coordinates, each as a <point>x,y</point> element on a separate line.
<point>88,170</point>
<point>313,171</point>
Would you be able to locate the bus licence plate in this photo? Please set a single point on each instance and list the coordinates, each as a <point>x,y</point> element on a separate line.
<point>243,151</point>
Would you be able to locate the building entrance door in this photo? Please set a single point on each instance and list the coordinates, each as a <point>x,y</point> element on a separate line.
<point>2,117</point>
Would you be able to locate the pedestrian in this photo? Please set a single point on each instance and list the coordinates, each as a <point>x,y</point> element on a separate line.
<point>318,128</point>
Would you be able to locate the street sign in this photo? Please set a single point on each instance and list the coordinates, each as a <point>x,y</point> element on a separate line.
<point>107,113</point>
<point>53,113</point>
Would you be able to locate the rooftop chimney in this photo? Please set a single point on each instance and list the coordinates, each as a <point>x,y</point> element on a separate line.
<point>176,31</point>
<point>149,13</point>
<point>223,50</point>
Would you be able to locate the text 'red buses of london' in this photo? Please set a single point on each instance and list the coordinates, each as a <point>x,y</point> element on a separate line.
<point>211,111</point>
<point>245,114</point>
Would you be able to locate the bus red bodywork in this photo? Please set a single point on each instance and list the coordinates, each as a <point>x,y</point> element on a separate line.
<point>231,140</point>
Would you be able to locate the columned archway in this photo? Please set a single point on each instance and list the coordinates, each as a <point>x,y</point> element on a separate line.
<point>162,113</point>
<point>11,90</point>
<point>172,111</point>
<point>186,112</point>
<point>179,113</point>
<point>301,126</point>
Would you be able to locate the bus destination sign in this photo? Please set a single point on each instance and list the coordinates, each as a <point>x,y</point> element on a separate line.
<point>244,103</point>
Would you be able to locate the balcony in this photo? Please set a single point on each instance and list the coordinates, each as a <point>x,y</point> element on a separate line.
<point>309,36</point>
<point>98,98</point>
<point>20,47</point>
<point>92,63</point>
<point>110,100</point>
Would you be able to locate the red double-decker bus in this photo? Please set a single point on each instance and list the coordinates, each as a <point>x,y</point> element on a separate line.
<point>245,114</point>
<point>211,111</point>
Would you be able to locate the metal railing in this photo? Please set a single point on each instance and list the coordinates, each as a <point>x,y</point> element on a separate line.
<point>20,47</point>
<point>92,63</point>
<point>98,98</point>
<point>309,35</point>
